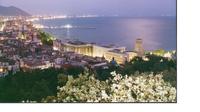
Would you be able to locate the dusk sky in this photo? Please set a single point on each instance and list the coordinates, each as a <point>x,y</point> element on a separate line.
<point>99,7</point>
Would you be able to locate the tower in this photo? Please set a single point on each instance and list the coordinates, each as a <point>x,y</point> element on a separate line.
<point>139,47</point>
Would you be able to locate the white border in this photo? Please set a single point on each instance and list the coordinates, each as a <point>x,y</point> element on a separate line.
<point>188,75</point>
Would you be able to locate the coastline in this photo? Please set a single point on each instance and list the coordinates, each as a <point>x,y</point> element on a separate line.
<point>109,32</point>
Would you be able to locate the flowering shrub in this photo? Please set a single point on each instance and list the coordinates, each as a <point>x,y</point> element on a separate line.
<point>141,88</point>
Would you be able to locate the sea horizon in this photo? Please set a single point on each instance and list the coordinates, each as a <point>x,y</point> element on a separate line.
<point>156,32</point>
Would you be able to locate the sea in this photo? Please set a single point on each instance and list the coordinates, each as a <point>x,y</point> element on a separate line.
<point>156,32</point>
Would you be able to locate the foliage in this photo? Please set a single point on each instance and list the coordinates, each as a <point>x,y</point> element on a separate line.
<point>140,88</point>
<point>155,64</point>
<point>62,79</point>
<point>151,80</point>
<point>74,70</point>
<point>34,85</point>
<point>28,86</point>
<point>170,76</point>
<point>104,74</point>
<point>46,38</point>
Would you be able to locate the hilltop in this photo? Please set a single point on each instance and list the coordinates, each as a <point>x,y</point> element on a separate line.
<point>12,11</point>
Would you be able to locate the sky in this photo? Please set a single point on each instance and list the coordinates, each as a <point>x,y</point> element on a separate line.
<point>96,7</point>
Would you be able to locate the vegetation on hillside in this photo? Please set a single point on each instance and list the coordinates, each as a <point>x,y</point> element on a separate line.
<point>33,85</point>
<point>46,38</point>
<point>152,63</point>
<point>140,80</point>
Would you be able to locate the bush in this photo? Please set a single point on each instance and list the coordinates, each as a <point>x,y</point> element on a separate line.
<point>140,88</point>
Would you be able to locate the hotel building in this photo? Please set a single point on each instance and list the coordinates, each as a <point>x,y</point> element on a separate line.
<point>108,52</point>
<point>120,56</point>
<point>78,47</point>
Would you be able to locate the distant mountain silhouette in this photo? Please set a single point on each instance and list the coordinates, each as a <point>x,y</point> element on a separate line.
<point>12,11</point>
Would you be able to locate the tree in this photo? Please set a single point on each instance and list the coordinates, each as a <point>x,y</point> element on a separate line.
<point>46,38</point>
<point>32,85</point>
<point>170,76</point>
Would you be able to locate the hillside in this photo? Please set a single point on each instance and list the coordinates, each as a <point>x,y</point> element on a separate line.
<point>12,11</point>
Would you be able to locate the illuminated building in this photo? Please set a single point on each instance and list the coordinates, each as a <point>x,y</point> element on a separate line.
<point>3,72</point>
<point>79,48</point>
<point>2,26</point>
<point>131,55</point>
<point>139,47</point>
<point>57,45</point>
<point>100,51</point>
<point>88,49</point>
<point>108,52</point>
<point>35,38</point>
<point>119,56</point>
<point>32,65</point>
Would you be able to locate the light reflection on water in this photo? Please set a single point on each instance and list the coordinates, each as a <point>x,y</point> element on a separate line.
<point>155,32</point>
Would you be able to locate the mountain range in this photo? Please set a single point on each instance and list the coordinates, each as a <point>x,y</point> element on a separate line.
<point>12,11</point>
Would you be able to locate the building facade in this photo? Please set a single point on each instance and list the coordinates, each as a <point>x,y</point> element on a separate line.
<point>108,52</point>
<point>139,47</point>
<point>85,49</point>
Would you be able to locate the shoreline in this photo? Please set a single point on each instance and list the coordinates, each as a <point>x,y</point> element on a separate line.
<point>71,30</point>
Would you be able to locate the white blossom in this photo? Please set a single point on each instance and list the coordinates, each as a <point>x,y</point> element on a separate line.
<point>142,88</point>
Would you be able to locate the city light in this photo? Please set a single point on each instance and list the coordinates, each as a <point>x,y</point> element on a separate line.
<point>68,26</point>
<point>1,69</point>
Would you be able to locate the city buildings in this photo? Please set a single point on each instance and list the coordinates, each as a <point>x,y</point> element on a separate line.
<point>20,41</point>
<point>7,65</point>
